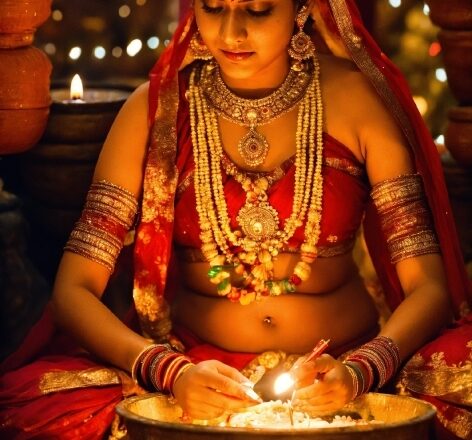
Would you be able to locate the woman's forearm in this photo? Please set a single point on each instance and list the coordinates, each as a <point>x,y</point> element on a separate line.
<point>423,313</point>
<point>96,328</point>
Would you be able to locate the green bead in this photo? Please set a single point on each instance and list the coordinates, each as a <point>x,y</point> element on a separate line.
<point>223,285</point>
<point>214,271</point>
<point>288,286</point>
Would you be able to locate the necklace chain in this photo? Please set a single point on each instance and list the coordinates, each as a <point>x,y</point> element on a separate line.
<point>254,146</point>
<point>259,237</point>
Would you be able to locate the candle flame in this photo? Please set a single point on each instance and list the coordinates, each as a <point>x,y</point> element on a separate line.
<point>76,88</point>
<point>283,383</point>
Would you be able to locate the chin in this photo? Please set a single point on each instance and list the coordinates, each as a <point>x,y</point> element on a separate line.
<point>239,70</point>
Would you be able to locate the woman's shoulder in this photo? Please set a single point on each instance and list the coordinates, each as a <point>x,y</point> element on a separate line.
<point>355,108</point>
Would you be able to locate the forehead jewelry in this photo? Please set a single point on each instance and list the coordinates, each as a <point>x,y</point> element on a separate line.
<point>253,147</point>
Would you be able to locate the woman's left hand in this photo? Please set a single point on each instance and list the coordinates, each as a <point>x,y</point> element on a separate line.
<point>323,384</point>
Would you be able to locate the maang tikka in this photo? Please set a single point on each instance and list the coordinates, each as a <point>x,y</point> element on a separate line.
<point>199,49</point>
<point>301,47</point>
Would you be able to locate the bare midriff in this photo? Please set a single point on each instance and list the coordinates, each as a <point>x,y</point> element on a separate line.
<point>333,303</point>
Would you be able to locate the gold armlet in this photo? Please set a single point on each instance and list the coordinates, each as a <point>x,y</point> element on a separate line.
<point>405,217</point>
<point>108,215</point>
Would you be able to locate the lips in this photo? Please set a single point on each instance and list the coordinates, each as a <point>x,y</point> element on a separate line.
<point>237,56</point>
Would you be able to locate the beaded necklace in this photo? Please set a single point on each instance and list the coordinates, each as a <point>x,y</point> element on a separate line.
<point>246,275</point>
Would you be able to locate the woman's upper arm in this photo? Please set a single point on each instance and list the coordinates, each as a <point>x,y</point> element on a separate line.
<point>383,145</point>
<point>122,157</point>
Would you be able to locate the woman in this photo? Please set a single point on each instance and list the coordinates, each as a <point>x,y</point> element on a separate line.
<point>252,183</point>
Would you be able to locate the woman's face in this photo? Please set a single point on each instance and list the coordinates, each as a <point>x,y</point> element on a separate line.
<point>248,38</point>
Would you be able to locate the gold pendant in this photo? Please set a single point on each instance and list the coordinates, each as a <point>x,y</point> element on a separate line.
<point>253,148</point>
<point>258,222</point>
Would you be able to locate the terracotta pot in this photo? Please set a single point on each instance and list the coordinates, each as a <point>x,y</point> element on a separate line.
<point>459,135</point>
<point>451,14</point>
<point>58,175</point>
<point>24,78</point>
<point>21,129</point>
<point>457,55</point>
<point>19,20</point>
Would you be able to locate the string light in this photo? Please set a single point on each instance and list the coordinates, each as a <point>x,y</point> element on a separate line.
<point>153,42</point>
<point>441,75</point>
<point>134,47</point>
<point>434,49</point>
<point>99,52</point>
<point>426,9</point>
<point>124,11</point>
<point>422,104</point>
<point>395,3</point>
<point>75,53</point>
<point>50,48</point>
<point>57,15</point>
<point>141,2</point>
<point>117,52</point>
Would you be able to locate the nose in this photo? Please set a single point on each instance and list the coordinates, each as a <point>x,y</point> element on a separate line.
<point>233,29</point>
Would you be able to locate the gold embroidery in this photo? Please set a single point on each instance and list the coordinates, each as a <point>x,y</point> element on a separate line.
<point>453,384</point>
<point>153,311</point>
<point>55,381</point>
<point>461,423</point>
<point>344,165</point>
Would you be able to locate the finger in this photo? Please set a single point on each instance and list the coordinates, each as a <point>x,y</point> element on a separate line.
<point>308,370</point>
<point>316,388</point>
<point>229,387</point>
<point>321,399</point>
<point>234,374</point>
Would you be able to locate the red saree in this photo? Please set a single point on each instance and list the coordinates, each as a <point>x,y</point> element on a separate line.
<point>30,409</point>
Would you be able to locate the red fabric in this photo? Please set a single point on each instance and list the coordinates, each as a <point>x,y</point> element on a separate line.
<point>76,414</point>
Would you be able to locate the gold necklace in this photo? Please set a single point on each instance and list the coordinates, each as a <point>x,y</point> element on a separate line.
<point>254,262</point>
<point>254,147</point>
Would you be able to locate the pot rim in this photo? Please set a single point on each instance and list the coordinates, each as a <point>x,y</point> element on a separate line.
<point>123,411</point>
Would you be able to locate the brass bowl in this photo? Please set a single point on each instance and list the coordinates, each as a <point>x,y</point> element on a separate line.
<point>154,417</point>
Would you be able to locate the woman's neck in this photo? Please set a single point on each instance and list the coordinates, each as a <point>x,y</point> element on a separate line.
<point>262,84</point>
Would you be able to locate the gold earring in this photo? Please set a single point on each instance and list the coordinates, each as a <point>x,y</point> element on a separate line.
<point>301,47</point>
<point>199,49</point>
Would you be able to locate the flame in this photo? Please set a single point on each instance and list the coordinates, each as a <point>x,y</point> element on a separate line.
<point>76,88</point>
<point>283,383</point>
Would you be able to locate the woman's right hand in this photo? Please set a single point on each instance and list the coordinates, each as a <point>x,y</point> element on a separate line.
<point>210,388</point>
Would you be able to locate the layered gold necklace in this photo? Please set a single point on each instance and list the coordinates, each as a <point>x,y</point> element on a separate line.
<point>253,147</point>
<point>246,274</point>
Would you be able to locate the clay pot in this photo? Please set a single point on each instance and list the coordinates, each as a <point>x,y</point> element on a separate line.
<point>24,98</point>
<point>451,14</point>
<point>21,129</point>
<point>19,20</point>
<point>459,135</point>
<point>25,78</point>
<point>457,55</point>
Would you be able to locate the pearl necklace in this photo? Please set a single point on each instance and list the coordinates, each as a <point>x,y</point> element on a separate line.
<point>247,275</point>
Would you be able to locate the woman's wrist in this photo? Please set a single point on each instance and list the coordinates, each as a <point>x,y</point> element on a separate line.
<point>373,364</point>
<point>158,366</point>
